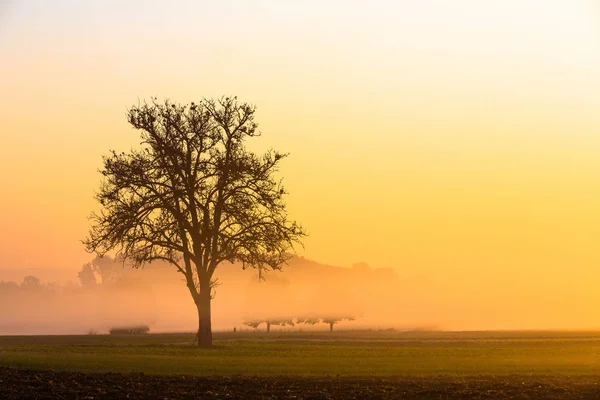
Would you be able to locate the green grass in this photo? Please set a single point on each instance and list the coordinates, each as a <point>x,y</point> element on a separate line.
<point>315,354</point>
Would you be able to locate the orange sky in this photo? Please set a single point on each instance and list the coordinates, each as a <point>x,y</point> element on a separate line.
<point>455,139</point>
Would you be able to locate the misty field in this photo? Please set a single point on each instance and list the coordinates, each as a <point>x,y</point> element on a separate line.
<point>314,354</point>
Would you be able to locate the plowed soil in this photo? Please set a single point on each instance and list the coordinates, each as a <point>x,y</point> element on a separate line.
<point>26,384</point>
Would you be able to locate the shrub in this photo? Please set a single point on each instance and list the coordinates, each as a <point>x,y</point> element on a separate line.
<point>130,330</point>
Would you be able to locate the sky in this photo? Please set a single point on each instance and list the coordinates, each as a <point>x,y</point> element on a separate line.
<point>457,140</point>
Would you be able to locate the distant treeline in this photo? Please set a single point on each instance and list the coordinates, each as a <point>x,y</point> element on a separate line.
<point>109,294</point>
<point>32,307</point>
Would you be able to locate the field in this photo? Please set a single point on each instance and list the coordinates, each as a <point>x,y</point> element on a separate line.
<point>308,365</point>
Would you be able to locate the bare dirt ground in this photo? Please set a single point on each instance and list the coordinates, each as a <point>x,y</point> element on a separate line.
<point>25,384</point>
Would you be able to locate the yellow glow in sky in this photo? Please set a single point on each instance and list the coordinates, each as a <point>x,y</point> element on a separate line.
<point>455,139</point>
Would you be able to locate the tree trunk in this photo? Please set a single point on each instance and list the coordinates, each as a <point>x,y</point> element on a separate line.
<point>331,327</point>
<point>268,327</point>
<point>204,328</point>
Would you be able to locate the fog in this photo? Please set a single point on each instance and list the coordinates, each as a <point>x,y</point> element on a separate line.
<point>104,294</point>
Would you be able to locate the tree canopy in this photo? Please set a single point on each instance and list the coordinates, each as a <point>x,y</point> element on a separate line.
<point>193,195</point>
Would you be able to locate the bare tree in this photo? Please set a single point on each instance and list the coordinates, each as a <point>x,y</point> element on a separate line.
<point>194,196</point>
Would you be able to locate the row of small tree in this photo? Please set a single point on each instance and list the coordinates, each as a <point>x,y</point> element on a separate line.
<point>331,320</point>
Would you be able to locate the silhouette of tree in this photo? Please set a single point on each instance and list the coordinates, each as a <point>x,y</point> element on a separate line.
<point>255,323</point>
<point>334,320</point>
<point>194,196</point>
<point>86,275</point>
<point>107,268</point>
<point>331,320</point>
<point>279,321</point>
<point>308,320</point>
<point>31,283</point>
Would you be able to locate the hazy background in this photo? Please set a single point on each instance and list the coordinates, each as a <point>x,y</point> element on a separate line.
<point>455,141</point>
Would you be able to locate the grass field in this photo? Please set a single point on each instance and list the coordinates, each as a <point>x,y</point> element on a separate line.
<point>352,354</point>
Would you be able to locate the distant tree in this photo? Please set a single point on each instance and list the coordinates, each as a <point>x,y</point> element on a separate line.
<point>362,268</point>
<point>279,321</point>
<point>334,320</point>
<point>107,268</point>
<point>31,282</point>
<point>331,320</point>
<point>308,320</point>
<point>255,323</point>
<point>86,275</point>
<point>194,196</point>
